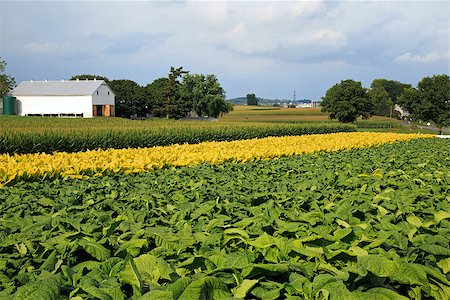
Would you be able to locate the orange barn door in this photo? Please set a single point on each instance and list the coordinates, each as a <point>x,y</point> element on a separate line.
<point>106,111</point>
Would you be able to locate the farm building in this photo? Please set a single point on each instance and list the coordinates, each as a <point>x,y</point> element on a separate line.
<point>65,98</point>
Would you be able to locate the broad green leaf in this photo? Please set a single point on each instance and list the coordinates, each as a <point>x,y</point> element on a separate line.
<point>358,251</point>
<point>243,288</point>
<point>148,269</point>
<point>45,287</point>
<point>340,274</point>
<point>444,264</point>
<point>178,286</point>
<point>440,291</point>
<point>237,260</point>
<point>95,292</point>
<point>435,249</point>
<point>263,241</point>
<point>95,249</point>
<point>234,233</point>
<point>132,246</point>
<point>67,273</point>
<point>193,262</point>
<point>157,294</point>
<point>90,265</point>
<point>308,251</point>
<point>413,220</point>
<point>338,291</point>
<point>237,231</point>
<point>206,288</point>
<point>298,282</point>
<point>378,294</point>
<point>341,233</point>
<point>281,267</point>
<point>378,265</point>
<point>266,294</point>
<point>411,274</point>
<point>130,273</point>
<point>435,275</point>
<point>21,248</point>
<point>342,223</point>
<point>320,281</point>
<point>441,215</point>
<point>50,263</point>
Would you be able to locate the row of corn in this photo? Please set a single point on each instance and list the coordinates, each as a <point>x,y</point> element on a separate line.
<point>44,135</point>
<point>124,161</point>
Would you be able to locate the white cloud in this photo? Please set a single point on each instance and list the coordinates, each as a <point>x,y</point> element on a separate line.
<point>254,41</point>
<point>431,57</point>
<point>48,47</point>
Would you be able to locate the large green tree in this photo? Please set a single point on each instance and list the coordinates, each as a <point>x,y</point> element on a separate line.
<point>7,82</point>
<point>205,95</point>
<point>346,101</point>
<point>131,98</point>
<point>173,105</point>
<point>430,101</point>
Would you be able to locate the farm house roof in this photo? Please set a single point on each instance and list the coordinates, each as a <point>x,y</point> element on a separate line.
<point>57,88</point>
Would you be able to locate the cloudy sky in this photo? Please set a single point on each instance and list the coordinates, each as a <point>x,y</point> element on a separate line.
<point>269,48</point>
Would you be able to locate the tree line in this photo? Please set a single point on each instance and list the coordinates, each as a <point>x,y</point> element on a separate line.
<point>429,101</point>
<point>174,96</point>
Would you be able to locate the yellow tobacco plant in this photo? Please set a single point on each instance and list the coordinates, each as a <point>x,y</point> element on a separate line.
<point>124,161</point>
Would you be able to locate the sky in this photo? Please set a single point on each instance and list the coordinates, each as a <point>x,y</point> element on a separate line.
<point>269,48</point>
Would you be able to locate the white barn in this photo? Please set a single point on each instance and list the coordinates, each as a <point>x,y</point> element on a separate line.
<point>76,98</point>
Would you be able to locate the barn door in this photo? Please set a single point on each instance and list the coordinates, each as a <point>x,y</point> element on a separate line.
<point>99,110</point>
<point>106,111</point>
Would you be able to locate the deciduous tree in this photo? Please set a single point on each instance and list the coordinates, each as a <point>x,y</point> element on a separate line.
<point>392,87</point>
<point>205,95</point>
<point>346,101</point>
<point>131,98</point>
<point>430,101</point>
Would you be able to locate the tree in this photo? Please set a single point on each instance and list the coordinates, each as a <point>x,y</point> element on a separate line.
<point>155,93</point>
<point>205,95</point>
<point>346,101</point>
<point>392,87</point>
<point>430,101</point>
<point>131,98</point>
<point>251,99</point>
<point>7,82</point>
<point>381,101</point>
<point>89,77</point>
<point>173,106</point>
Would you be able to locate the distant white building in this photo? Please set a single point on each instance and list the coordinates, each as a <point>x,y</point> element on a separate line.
<point>403,112</point>
<point>77,98</point>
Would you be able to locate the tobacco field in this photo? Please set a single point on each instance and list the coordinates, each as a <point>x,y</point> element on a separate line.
<point>46,134</point>
<point>368,223</point>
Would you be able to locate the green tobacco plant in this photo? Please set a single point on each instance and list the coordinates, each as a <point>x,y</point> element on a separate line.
<point>362,224</point>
